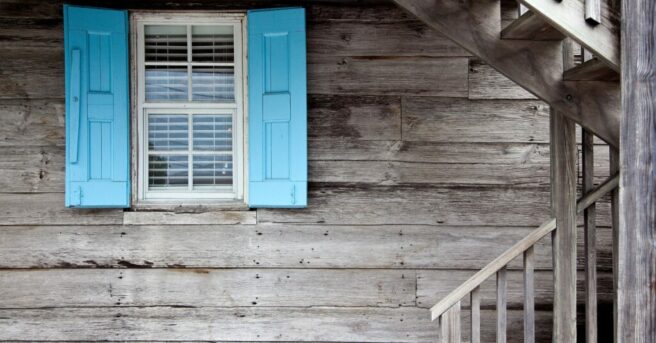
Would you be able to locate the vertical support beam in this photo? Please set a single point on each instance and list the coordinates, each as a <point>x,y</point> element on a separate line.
<point>615,218</point>
<point>529,296</point>
<point>475,333</point>
<point>590,240</point>
<point>450,324</point>
<point>502,300</point>
<point>563,204</point>
<point>637,229</point>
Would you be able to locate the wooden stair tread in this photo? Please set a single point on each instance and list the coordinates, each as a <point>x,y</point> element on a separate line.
<point>530,26</point>
<point>591,70</point>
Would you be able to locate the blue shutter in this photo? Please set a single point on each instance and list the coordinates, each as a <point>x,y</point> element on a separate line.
<point>277,115</point>
<point>97,107</point>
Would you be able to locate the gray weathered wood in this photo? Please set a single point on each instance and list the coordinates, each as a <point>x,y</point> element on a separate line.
<point>475,325</point>
<point>25,122</point>
<point>217,217</point>
<point>591,70</point>
<point>529,295</point>
<point>563,164</point>
<point>41,77</point>
<point>261,246</point>
<point>450,325</point>
<point>590,241</point>
<point>487,83</point>
<point>593,11</point>
<point>48,209</point>
<point>614,166</point>
<point>313,324</point>
<point>354,117</point>
<point>531,26</point>
<point>424,119</point>
<point>32,169</point>
<point>568,17</point>
<point>502,298</point>
<point>206,287</point>
<point>475,26</point>
<point>378,38</point>
<point>637,212</point>
<point>387,76</point>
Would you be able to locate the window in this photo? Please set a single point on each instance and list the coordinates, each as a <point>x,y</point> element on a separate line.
<point>190,120</point>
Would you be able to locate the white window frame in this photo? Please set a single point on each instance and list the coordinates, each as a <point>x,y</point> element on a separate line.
<point>236,109</point>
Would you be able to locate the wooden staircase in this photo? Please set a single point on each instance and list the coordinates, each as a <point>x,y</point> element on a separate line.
<point>567,54</point>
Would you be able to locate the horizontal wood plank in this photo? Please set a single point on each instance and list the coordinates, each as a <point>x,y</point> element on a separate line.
<point>261,246</point>
<point>206,287</point>
<point>32,73</point>
<point>25,122</point>
<point>420,76</point>
<point>32,169</point>
<point>487,83</point>
<point>48,209</point>
<point>462,120</point>
<point>270,246</point>
<point>207,217</point>
<point>374,38</point>
<point>354,117</point>
<point>323,324</point>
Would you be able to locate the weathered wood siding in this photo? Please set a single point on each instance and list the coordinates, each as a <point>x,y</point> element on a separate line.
<point>424,165</point>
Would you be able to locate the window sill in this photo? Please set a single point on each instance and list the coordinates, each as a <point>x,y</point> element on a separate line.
<point>224,213</point>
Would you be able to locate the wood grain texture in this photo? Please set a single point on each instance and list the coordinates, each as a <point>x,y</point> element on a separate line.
<point>218,217</point>
<point>450,325</point>
<point>532,27</point>
<point>260,246</point>
<point>420,76</point>
<point>48,209</point>
<point>320,324</point>
<point>42,77</point>
<point>502,310</point>
<point>32,169</point>
<point>569,18</point>
<point>475,26</point>
<point>637,213</point>
<point>563,199</point>
<point>25,122</point>
<point>379,38</point>
<point>590,241</point>
<point>206,287</point>
<point>591,70</point>
<point>529,295</point>
<point>487,83</point>
<point>475,316</point>
<point>354,117</point>
<point>456,120</point>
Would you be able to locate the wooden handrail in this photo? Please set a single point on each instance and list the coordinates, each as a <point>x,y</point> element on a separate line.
<point>517,249</point>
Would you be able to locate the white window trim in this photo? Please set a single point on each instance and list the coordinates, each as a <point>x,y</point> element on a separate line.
<point>237,109</point>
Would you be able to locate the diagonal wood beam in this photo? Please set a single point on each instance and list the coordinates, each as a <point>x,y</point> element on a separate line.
<point>568,17</point>
<point>535,65</point>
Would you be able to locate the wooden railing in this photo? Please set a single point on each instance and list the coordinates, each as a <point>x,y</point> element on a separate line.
<point>448,309</point>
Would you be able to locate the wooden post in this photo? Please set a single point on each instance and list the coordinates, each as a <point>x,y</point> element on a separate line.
<point>529,296</point>
<point>637,214</point>
<point>590,240</point>
<point>563,203</point>
<point>615,219</point>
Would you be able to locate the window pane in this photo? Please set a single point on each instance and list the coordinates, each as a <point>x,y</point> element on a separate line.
<point>214,170</point>
<point>212,132</point>
<point>166,83</point>
<point>168,132</point>
<point>212,44</point>
<point>167,171</point>
<point>213,84</point>
<point>165,43</point>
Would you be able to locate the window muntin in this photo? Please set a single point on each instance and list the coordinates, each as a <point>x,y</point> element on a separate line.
<point>190,108</point>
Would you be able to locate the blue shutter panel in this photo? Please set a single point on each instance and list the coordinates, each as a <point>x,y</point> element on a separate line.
<point>97,108</point>
<point>277,115</point>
